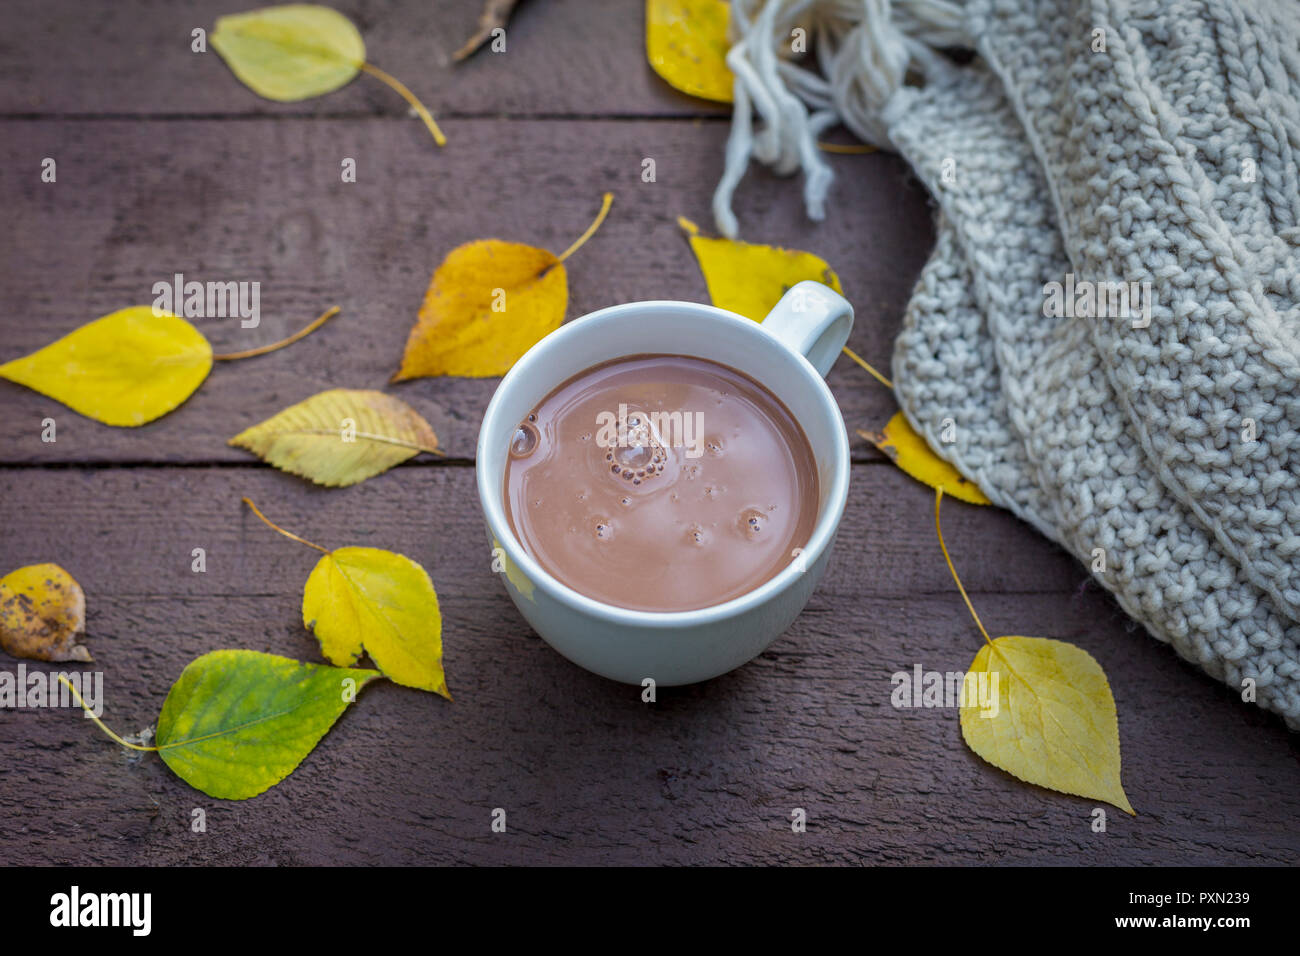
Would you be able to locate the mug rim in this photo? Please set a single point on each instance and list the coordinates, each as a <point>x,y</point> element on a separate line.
<point>491,498</point>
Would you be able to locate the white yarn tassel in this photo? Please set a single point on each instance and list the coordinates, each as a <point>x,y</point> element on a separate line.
<point>865,51</point>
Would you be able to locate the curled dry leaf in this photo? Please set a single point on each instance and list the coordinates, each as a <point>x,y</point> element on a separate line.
<point>296,51</point>
<point>488,303</point>
<point>42,613</point>
<point>376,601</point>
<point>340,437</point>
<point>686,43</point>
<point>495,15</point>
<point>748,278</point>
<point>909,451</point>
<point>125,368</point>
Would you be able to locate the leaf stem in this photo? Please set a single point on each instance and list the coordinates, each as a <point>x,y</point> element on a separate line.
<point>410,98</point>
<point>591,230</point>
<point>275,527</point>
<point>863,362</point>
<point>846,149</point>
<point>99,723</point>
<point>369,436</point>
<point>263,349</point>
<point>938,498</point>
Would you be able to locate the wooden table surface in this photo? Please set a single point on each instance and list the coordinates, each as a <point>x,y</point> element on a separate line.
<point>167,164</point>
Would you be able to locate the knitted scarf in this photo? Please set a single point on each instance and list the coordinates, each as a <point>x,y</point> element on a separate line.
<point>1111,314</point>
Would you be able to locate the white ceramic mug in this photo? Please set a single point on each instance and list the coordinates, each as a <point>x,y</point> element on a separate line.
<point>789,353</point>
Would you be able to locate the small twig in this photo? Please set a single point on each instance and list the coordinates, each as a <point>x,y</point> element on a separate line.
<point>494,15</point>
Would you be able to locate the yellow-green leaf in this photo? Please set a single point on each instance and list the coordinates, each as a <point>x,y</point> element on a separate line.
<point>686,43</point>
<point>1052,721</point>
<point>748,278</point>
<point>381,602</point>
<point>340,437</point>
<point>126,368</point>
<point>237,722</point>
<point>42,613</point>
<point>909,451</point>
<point>291,52</point>
<point>300,50</point>
<point>488,303</point>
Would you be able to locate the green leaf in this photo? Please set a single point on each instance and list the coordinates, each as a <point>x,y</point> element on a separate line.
<point>236,722</point>
<point>291,52</point>
<point>384,603</point>
<point>125,368</point>
<point>340,437</point>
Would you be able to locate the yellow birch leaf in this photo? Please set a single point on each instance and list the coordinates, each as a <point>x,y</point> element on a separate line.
<point>126,368</point>
<point>42,613</point>
<point>686,43</point>
<point>488,303</point>
<point>340,437</point>
<point>748,278</point>
<point>376,601</point>
<point>1039,709</point>
<point>1052,722</point>
<point>909,451</point>
<point>291,52</point>
<point>382,602</point>
<point>296,51</point>
<point>459,332</point>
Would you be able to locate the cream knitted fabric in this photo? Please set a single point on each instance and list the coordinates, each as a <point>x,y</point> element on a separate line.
<point>1146,142</point>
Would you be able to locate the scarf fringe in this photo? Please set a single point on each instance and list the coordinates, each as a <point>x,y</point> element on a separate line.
<point>864,51</point>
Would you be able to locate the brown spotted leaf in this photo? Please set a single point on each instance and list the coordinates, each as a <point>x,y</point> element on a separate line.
<point>42,613</point>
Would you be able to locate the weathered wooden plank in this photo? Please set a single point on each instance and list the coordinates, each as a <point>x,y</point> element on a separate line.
<point>585,771</point>
<point>136,202</point>
<point>562,57</point>
<point>431,513</point>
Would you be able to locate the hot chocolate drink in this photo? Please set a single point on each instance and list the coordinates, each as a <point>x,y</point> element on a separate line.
<point>661,483</point>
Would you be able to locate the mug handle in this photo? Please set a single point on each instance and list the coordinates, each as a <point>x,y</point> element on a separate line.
<point>813,320</point>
